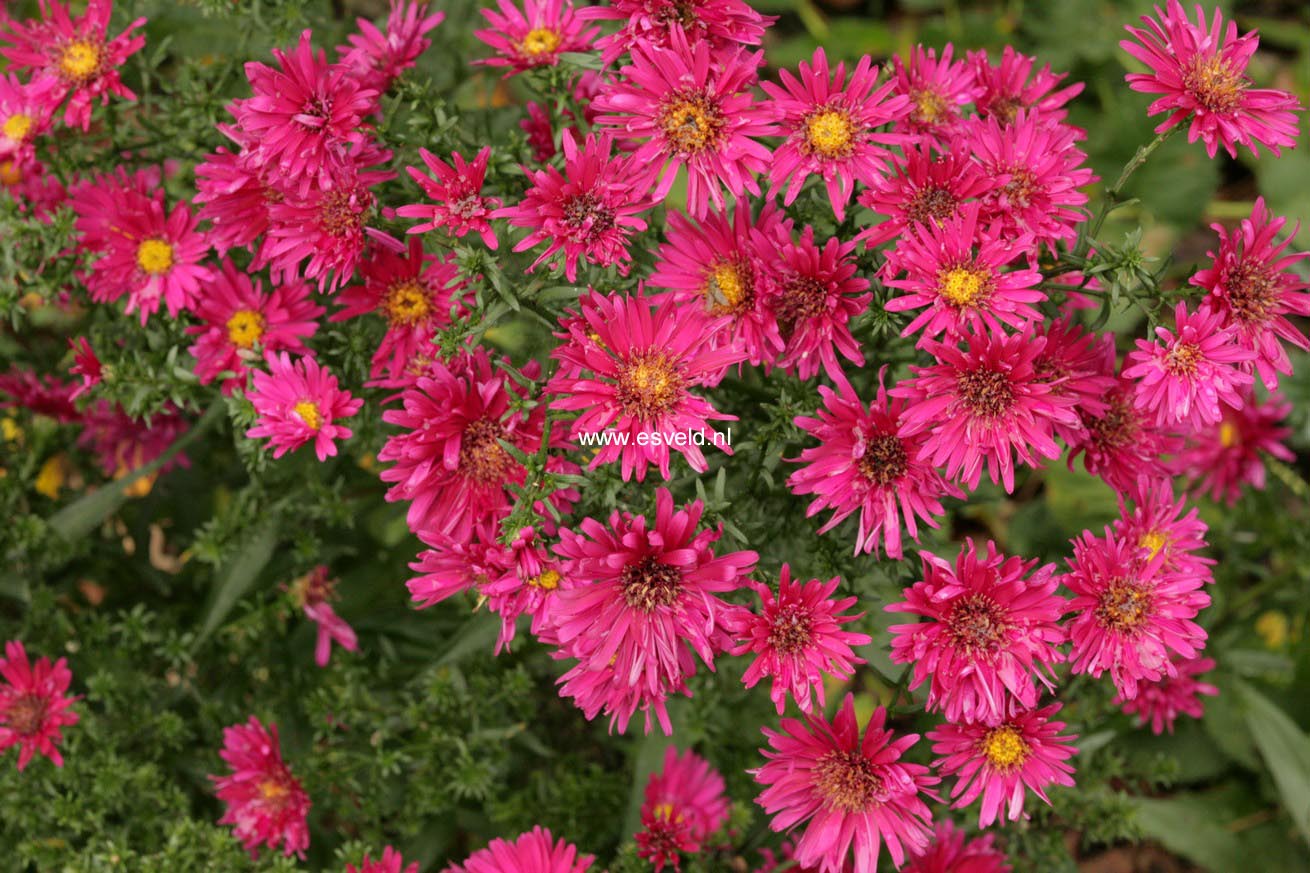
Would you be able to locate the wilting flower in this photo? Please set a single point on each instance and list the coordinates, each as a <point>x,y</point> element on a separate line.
<point>314,593</point>
<point>690,110</point>
<point>85,364</point>
<point>645,598</point>
<point>25,110</point>
<point>298,403</point>
<point>797,638</point>
<point>533,852</point>
<point>831,127</point>
<point>456,192</point>
<point>1002,762</point>
<point>1008,87</point>
<point>990,637</point>
<point>862,463</point>
<point>588,211</point>
<point>684,804</point>
<point>813,292</point>
<point>377,59</point>
<point>721,24</point>
<point>240,321</point>
<point>1200,73</point>
<point>1223,458</point>
<point>1254,287</point>
<point>643,362</point>
<point>924,187</point>
<point>717,264</point>
<point>1162,701</point>
<point>390,862</point>
<point>76,52</point>
<point>304,116</point>
<point>535,36</point>
<point>1130,612</point>
<point>951,852</point>
<point>848,793</point>
<point>937,88</point>
<point>955,271</point>
<point>415,293</point>
<point>266,805</point>
<point>982,405</point>
<point>1191,370</point>
<point>34,705</point>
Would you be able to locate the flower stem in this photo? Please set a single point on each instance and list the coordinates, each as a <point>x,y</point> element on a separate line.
<point>1115,191</point>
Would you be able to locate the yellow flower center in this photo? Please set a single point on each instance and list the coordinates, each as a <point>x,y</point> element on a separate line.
<point>308,412</point>
<point>1183,359</point>
<point>244,328</point>
<point>830,133</point>
<point>1228,435</point>
<point>9,173</point>
<point>547,581</point>
<point>1124,606</point>
<point>963,286</point>
<point>1005,748</point>
<point>1214,84</point>
<point>1153,540</point>
<point>726,288</point>
<point>52,477</point>
<point>666,812</point>
<point>929,106</point>
<point>80,60</point>
<point>540,41</point>
<point>649,385</point>
<point>847,781</point>
<point>17,127</point>
<point>691,123</point>
<point>406,304</point>
<point>154,256</point>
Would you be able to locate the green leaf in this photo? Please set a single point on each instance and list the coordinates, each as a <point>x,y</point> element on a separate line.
<point>1286,751</point>
<point>478,634</point>
<point>1187,824</point>
<point>238,578</point>
<point>649,758</point>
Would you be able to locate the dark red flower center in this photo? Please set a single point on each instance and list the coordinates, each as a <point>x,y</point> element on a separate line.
<point>847,781</point>
<point>802,298</point>
<point>587,217</point>
<point>931,204</point>
<point>987,392</point>
<point>792,629</point>
<point>341,211</point>
<point>1119,427</point>
<point>884,460</point>
<point>481,456</point>
<point>1252,292</point>
<point>27,714</point>
<point>977,623</point>
<point>649,584</point>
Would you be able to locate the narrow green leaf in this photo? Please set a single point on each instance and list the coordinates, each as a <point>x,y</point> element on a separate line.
<point>1189,825</point>
<point>238,577</point>
<point>649,758</point>
<point>477,635</point>
<point>1286,751</point>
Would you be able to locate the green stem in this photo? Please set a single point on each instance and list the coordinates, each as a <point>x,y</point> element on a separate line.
<point>1115,191</point>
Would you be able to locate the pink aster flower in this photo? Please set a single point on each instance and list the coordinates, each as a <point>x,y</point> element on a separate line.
<point>982,406</point>
<point>233,194</point>
<point>533,852</point>
<point>148,253</point>
<point>716,264</point>
<point>1159,524</point>
<point>924,186</point>
<point>721,24</point>
<point>390,862</point>
<point>377,59</point>
<point>76,52</point>
<point>937,88</point>
<point>688,108</point>
<point>797,638</point>
<point>1038,173</point>
<point>1191,370</point>
<point>1200,73</point>
<point>305,116</point>
<point>449,461</point>
<point>535,36</point>
<point>851,793</point>
<point>34,705</point>
<point>266,805</point>
<point>684,804</point>
<point>1080,364</point>
<point>645,598</point>
<point>814,293</point>
<point>643,362</point>
<point>588,211</point>
<point>1011,86</point>
<point>416,294</point>
<point>1222,459</point>
<point>956,272</point>
<point>831,127</point>
<point>124,444</point>
<point>240,320</point>
<point>1254,287</point>
<point>1160,703</point>
<point>456,192</point>
<point>991,634</point>
<point>1120,441</point>
<point>85,365</point>
<point>861,463</point>
<point>298,403</point>
<point>1130,612</point>
<point>951,852</point>
<point>314,593</point>
<point>46,395</point>
<point>25,110</point>
<point>1002,762</point>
